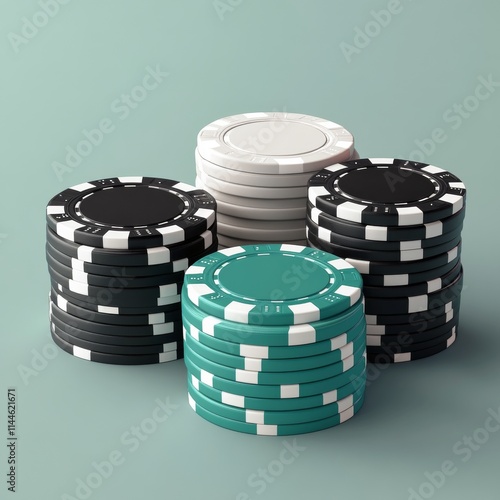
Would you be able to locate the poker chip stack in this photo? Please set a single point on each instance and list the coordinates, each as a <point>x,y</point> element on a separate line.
<point>117,250</point>
<point>274,339</point>
<point>257,165</point>
<point>399,223</point>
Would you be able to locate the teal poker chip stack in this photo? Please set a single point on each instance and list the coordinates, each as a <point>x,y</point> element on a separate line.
<point>400,224</point>
<point>274,339</point>
<point>257,165</point>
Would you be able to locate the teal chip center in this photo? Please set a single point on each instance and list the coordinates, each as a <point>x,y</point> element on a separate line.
<point>273,277</point>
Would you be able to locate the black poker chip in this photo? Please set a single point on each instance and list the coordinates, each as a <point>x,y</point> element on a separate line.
<point>123,271</point>
<point>139,257</point>
<point>412,341</point>
<point>426,287</point>
<point>92,304</point>
<point>131,212</point>
<point>402,256</point>
<point>381,246</point>
<point>117,359</point>
<point>131,350</point>
<point>387,192</point>
<point>115,319</point>
<point>414,304</point>
<point>117,281</point>
<point>116,330</point>
<point>398,234</point>
<point>402,357</point>
<point>388,267</point>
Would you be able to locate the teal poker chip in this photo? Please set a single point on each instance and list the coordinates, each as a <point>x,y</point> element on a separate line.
<point>275,430</point>
<point>276,365</point>
<point>277,335</point>
<point>279,404</point>
<point>284,417</point>
<point>274,378</point>
<point>354,375</point>
<point>275,352</point>
<point>272,284</point>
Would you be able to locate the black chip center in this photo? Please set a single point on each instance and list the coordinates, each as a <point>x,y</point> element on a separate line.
<point>131,206</point>
<point>386,185</point>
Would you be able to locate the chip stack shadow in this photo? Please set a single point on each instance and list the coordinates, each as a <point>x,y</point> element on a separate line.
<point>274,339</point>
<point>117,250</point>
<point>257,165</point>
<point>399,223</point>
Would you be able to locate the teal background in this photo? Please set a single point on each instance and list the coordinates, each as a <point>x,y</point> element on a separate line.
<point>255,56</point>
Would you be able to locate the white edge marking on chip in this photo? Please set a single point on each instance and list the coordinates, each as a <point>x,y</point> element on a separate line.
<point>352,292</point>
<point>267,430</point>
<point>237,311</point>
<point>396,280</point>
<point>433,229</point>
<point>83,187</point>
<point>452,254</point>
<point>457,185</point>
<point>195,291</point>
<point>315,213</point>
<point>373,340</point>
<point>62,303</point>
<point>314,192</point>
<point>409,216</point>
<point>301,334</point>
<point>457,202</point>
<point>336,168</point>
<point>194,332</point>
<point>116,239</point>
<point>362,266</point>
<point>346,403</point>
<point>85,253</point>
<point>434,285</point>
<point>254,417</point>
<point>108,309</point>
<point>170,355</point>
<point>338,342</point>
<point>253,364</point>
<point>131,179</point>
<point>207,378</point>
<point>232,251</point>
<point>409,255</point>
<point>402,356</point>
<point>233,399</point>
<point>208,237</point>
<point>433,169</point>
<point>67,229</point>
<point>350,211</point>
<point>375,329</point>
<point>330,397</point>
<point>80,276</point>
<point>305,313</point>
<point>80,352</point>
<point>254,351</point>
<point>55,209</point>
<point>387,161</point>
<point>182,186</point>
<point>418,303</point>
<point>195,270</point>
<point>195,382</point>
<point>77,265</point>
<point>289,391</point>
<point>171,234</point>
<point>246,377</point>
<point>206,213</point>
<point>192,402</point>
<point>286,247</point>
<point>80,288</point>
<point>340,264</point>
<point>163,328</point>
<point>208,325</point>
<point>376,233</point>
<point>346,415</point>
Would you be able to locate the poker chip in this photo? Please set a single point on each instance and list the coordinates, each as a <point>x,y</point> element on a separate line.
<point>386,192</point>
<point>117,251</point>
<point>277,323</point>
<point>257,167</point>
<point>399,223</point>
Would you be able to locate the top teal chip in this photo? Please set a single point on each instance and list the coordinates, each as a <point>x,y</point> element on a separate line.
<point>273,284</point>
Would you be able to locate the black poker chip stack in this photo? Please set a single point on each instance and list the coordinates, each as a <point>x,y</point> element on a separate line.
<point>399,223</point>
<point>117,250</point>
